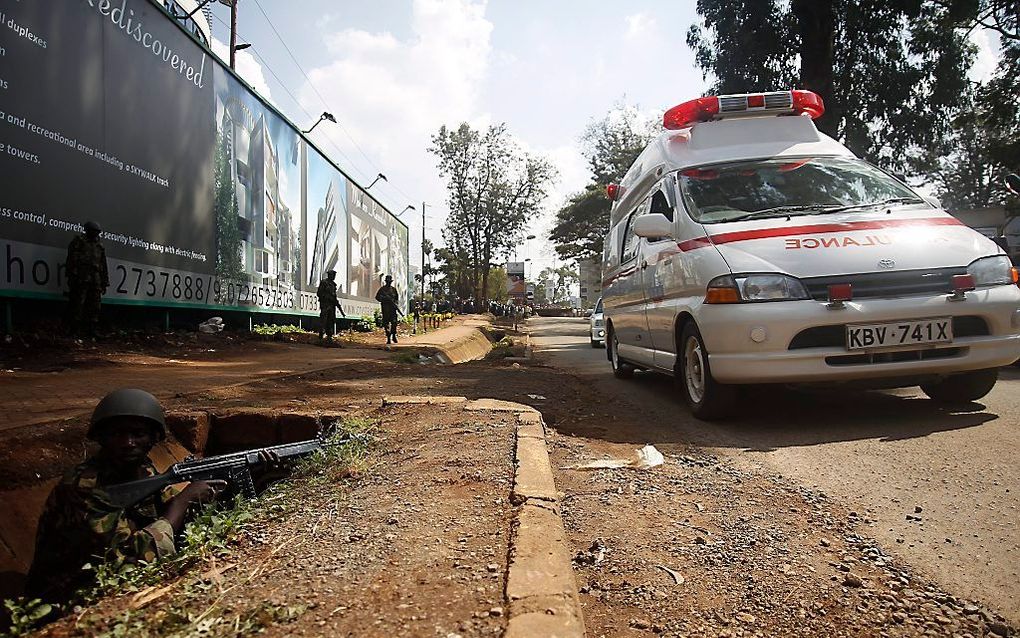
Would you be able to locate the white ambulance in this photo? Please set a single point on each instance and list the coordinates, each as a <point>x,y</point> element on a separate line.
<point>746,247</point>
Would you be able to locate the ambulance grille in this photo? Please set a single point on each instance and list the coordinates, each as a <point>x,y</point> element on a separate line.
<point>898,356</point>
<point>900,283</point>
<point>835,336</point>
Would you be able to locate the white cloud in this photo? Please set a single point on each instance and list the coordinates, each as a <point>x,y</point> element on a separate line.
<point>392,94</point>
<point>987,55</point>
<point>639,26</point>
<point>247,67</point>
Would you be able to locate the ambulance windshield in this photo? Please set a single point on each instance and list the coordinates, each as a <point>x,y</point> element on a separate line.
<point>788,187</point>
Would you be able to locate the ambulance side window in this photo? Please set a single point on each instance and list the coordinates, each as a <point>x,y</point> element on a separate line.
<point>630,240</point>
<point>661,205</point>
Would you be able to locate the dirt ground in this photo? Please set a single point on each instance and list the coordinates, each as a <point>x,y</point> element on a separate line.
<point>695,547</point>
<point>416,545</point>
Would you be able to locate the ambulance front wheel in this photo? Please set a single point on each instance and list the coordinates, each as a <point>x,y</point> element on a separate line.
<point>962,388</point>
<point>708,399</point>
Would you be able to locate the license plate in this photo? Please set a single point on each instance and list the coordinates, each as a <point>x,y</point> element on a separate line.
<point>900,333</point>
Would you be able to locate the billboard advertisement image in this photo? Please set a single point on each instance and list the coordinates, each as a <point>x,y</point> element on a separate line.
<point>207,196</point>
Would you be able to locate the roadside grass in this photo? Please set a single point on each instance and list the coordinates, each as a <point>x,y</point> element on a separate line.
<point>505,347</point>
<point>207,541</point>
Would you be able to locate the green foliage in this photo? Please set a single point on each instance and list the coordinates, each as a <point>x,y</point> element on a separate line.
<point>25,615</point>
<point>610,145</point>
<point>986,134</point>
<point>364,324</point>
<point>582,224</point>
<point>494,189</point>
<point>268,330</point>
<point>228,233</point>
<point>891,74</point>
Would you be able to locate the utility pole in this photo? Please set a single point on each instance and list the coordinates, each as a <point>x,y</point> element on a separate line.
<point>233,32</point>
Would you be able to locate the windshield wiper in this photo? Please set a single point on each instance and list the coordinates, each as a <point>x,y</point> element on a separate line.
<point>779,211</point>
<point>884,202</point>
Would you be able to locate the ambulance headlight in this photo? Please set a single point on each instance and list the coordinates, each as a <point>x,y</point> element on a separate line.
<point>769,288</point>
<point>992,271</point>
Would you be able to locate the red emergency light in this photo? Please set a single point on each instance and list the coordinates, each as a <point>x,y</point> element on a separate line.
<point>706,109</point>
<point>963,283</point>
<point>838,293</point>
<point>613,191</point>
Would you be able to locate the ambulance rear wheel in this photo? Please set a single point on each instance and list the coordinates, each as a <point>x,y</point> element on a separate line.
<point>962,388</point>
<point>621,369</point>
<point>708,399</point>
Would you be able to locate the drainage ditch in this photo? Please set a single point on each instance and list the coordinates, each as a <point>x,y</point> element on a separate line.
<point>191,433</point>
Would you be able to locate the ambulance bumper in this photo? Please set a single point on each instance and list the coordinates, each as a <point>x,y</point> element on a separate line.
<point>738,353</point>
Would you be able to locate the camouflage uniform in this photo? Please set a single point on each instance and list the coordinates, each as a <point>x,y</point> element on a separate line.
<point>79,525</point>
<point>87,280</point>
<point>327,307</point>
<point>388,298</point>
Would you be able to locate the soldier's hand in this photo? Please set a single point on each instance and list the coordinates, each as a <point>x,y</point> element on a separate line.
<point>271,460</point>
<point>202,491</point>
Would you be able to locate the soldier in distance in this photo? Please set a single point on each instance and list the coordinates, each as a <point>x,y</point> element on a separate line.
<point>79,525</point>
<point>388,299</point>
<point>329,303</point>
<point>87,280</point>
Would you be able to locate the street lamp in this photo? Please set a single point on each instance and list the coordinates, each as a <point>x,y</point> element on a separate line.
<point>378,177</point>
<point>406,208</point>
<point>324,116</point>
<point>242,46</point>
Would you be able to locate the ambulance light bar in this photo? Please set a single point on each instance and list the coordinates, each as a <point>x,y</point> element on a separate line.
<point>706,109</point>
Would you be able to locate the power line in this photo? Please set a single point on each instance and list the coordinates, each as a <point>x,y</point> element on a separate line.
<point>283,85</point>
<point>288,92</point>
<point>321,98</point>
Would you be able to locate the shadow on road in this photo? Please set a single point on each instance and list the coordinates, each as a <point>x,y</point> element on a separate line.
<point>650,409</point>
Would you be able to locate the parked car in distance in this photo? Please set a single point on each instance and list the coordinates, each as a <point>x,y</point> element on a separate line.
<point>597,326</point>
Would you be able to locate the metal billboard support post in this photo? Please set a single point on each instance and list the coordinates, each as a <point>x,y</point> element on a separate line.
<point>424,330</point>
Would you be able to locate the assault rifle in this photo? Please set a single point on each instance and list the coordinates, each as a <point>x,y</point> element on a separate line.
<point>235,468</point>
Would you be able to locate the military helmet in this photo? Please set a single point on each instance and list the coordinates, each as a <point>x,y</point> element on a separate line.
<point>129,402</point>
<point>92,226</point>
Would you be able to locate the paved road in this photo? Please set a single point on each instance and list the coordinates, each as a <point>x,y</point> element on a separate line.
<point>882,453</point>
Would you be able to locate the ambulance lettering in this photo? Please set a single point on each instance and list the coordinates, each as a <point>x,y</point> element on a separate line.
<point>798,243</point>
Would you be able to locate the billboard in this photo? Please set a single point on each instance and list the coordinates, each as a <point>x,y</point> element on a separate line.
<point>515,283</point>
<point>207,196</point>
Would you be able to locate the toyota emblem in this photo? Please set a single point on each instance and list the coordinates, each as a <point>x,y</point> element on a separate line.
<point>886,263</point>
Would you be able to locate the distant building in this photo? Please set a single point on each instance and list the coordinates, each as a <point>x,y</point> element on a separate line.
<point>591,282</point>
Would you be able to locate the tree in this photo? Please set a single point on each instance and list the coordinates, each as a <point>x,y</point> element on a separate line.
<point>986,135</point>
<point>494,188</point>
<point>497,290</point>
<point>889,72</point>
<point>560,279</point>
<point>228,233</point>
<point>610,145</point>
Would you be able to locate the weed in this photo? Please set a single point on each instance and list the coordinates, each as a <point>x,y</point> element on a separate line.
<point>25,615</point>
<point>268,330</point>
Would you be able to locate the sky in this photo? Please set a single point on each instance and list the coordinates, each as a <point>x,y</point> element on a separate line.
<point>394,71</point>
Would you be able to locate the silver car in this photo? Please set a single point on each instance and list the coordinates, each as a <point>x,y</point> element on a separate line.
<point>598,326</point>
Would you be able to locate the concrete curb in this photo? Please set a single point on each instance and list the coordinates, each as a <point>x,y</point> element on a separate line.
<point>541,588</point>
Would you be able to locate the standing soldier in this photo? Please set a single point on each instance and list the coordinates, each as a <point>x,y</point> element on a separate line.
<point>388,297</point>
<point>328,305</point>
<point>87,280</point>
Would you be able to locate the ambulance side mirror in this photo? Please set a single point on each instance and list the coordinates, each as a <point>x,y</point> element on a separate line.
<point>932,200</point>
<point>653,226</point>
